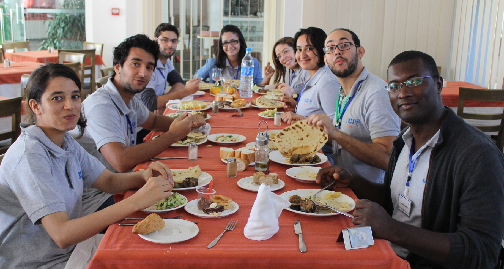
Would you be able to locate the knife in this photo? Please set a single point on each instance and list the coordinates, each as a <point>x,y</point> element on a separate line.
<point>299,232</point>
<point>168,158</point>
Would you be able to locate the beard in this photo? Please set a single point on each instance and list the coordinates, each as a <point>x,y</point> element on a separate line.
<point>166,54</point>
<point>352,66</point>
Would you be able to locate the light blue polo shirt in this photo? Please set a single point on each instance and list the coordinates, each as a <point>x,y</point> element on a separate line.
<point>158,78</point>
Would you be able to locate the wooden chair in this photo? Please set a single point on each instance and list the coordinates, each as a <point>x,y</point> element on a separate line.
<point>101,81</point>
<point>439,70</point>
<point>107,72</point>
<point>2,58</point>
<point>489,95</point>
<point>76,62</point>
<point>91,54</point>
<point>11,108</point>
<point>97,46</point>
<point>24,81</point>
<point>10,47</point>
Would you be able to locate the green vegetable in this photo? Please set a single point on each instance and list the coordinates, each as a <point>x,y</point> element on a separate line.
<point>170,202</point>
<point>268,113</point>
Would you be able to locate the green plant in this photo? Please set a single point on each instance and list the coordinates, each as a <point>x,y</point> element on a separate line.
<point>66,30</point>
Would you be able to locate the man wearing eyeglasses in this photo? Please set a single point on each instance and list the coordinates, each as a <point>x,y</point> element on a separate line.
<point>154,97</point>
<point>442,202</point>
<point>364,125</point>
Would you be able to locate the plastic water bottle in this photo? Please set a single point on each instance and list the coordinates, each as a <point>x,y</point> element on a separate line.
<point>247,75</point>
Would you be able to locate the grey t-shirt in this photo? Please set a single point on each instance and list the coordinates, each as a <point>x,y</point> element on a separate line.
<point>38,178</point>
<point>109,120</point>
<point>368,116</point>
<point>416,185</point>
<point>298,79</point>
<point>320,94</point>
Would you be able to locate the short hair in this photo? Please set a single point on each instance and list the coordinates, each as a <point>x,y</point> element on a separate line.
<point>409,55</point>
<point>165,27</point>
<point>141,41</point>
<point>355,38</point>
<point>37,85</point>
<point>317,37</point>
<point>280,70</point>
<point>221,55</point>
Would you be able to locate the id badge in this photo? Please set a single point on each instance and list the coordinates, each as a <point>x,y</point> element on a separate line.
<point>404,205</point>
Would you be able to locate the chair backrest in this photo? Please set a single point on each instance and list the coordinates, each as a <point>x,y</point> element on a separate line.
<point>97,46</point>
<point>105,72</point>
<point>76,62</point>
<point>2,58</point>
<point>10,47</point>
<point>24,81</point>
<point>439,70</point>
<point>487,95</point>
<point>91,54</point>
<point>11,107</point>
<point>102,81</point>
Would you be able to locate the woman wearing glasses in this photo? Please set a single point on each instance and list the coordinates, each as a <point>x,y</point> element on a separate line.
<point>44,172</point>
<point>290,81</point>
<point>229,58</point>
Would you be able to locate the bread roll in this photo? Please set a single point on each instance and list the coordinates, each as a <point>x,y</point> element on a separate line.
<point>256,177</point>
<point>241,164</point>
<point>237,153</point>
<point>225,153</point>
<point>248,155</point>
<point>150,224</point>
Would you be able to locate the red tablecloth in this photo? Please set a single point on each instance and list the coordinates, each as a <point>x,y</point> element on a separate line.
<point>13,74</point>
<point>122,249</point>
<point>43,56</point>
<point>450,95</point>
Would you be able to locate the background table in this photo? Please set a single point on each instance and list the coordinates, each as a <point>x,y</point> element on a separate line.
<point>122,249</point>
<point>10,78</point>
<point>450,95</point>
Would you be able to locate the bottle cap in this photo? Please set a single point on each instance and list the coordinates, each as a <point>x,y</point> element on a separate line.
<point>231,159</point>
<point>248,49</point>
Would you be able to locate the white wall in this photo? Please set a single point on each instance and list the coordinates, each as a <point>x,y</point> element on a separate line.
<point>385,27</point>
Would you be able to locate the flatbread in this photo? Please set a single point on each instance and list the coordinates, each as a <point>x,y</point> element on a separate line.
<point>179,176</point>
<point>268,103</point>
<point>300,138</point>
<point>206,86</point>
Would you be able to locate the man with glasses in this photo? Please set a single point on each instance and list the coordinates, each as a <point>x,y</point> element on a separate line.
<point>154,97</point>
<point>364,125</point>
<point>442,202</point>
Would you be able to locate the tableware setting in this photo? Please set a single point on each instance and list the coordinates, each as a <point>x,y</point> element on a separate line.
<point>153,208</point>
<point>344,201</point>
<point>277,157</point>
<point>175,230</point>
<point>229,227</point>
<point>203,180</point>
<point>248,184</point>
<point>226,138</point>
<point>198,93</point>
<point>305,174</point>
<point>177,114</point>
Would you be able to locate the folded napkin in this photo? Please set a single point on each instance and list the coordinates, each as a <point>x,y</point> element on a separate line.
<point>203,129</point>
<point>263,221</point>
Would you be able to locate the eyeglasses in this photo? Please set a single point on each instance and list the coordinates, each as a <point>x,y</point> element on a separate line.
<point>341,46</point>
<point>165,40</point>
<point>412,82</point>
<point>232,42</point>
<point>284,52</point>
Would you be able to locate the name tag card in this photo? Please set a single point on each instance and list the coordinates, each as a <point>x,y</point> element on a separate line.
<point>356,237</point>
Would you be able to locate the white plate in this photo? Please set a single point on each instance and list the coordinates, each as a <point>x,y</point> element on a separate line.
<point>213,137</point>
<point>248,184</point>
<point>166,210</point>
<point>265,116</point>
<point>198,93</point>
<point>179,145</point>
<point>175,230</point>
<point>203,180</point>
<point>273,132</point>
<point>250,164</point>
<point>257,91</point>
<point>192,208</point>
<point>277,157</point>
<point>234,108</point>
<point>175,107</point>
<point>177,114</point>
<point>293,171</point>
<point>303,193</point>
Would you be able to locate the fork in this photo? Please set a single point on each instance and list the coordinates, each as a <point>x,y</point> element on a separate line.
<point>333,209</point>
<point>239,111</point>
<point>231,225</point>
<point>328,185</point>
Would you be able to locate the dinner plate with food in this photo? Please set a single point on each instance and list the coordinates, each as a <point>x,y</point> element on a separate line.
<point>297,159</point>
<point>252,183</point>
<point>198,93</point>
<point>177,114</point>
<point>233,105</point>
<point>305,174</point>
<point>206,85</point>
<point>217,206</point>
<point>175,201</point>
<point>169,231</point>
<point>192,137</point>
<point>226,138</point>
<point>263,102</point>
<point>268,113</point>
<point>190,178</point>
<point>301,203</point>
<point>194,105</point>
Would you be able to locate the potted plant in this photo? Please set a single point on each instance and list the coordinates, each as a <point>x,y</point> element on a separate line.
<point>66,30</point>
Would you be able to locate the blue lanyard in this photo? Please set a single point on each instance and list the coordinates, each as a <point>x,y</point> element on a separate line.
<point>411,165</point>
<point>130,125</point>
<point>341,111</point>
<point>299,98</point>
<point>161,72</point>
<point>237,72</point>
<point>292,77</point>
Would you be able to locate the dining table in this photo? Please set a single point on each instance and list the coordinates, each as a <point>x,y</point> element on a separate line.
<point>10,78</point>
<point>450,95</point>
<point>120,248</point>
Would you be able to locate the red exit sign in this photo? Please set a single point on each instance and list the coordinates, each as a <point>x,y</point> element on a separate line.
<point>115,11</point>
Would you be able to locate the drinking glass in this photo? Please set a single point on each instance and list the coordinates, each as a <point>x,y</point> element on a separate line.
<point>216,74</point>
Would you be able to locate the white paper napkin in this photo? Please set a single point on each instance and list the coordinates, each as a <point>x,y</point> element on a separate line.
<point>176,101</point>
<point>263,220</point>
<point>203,129</point>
